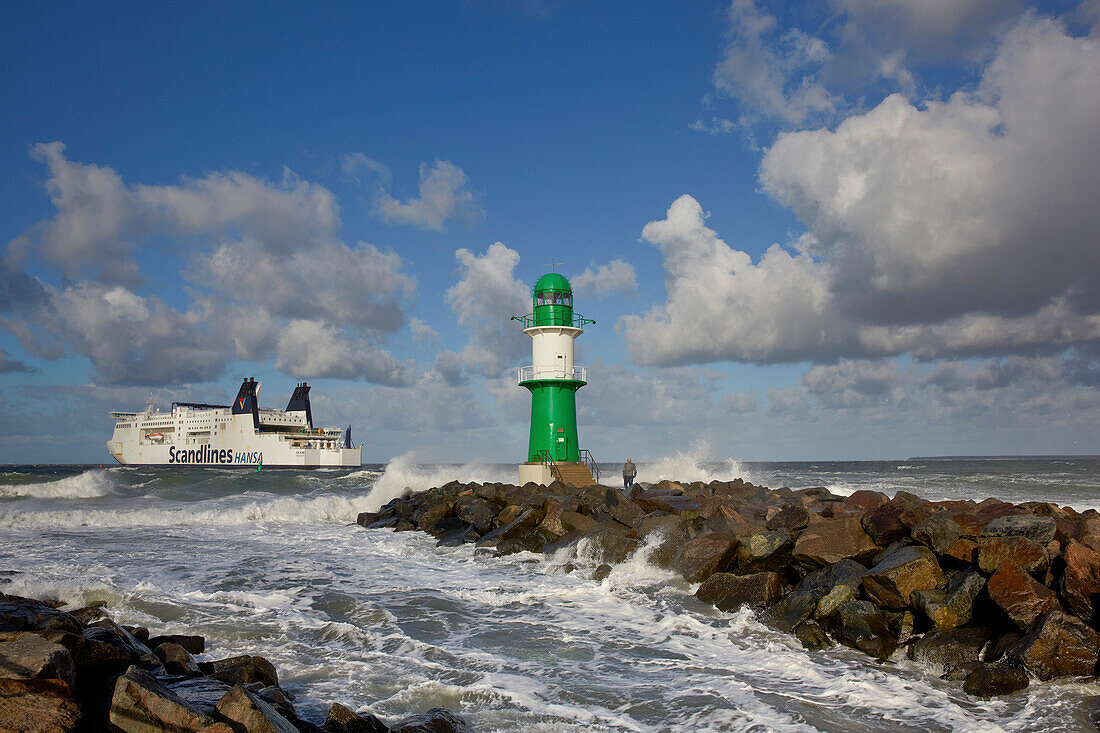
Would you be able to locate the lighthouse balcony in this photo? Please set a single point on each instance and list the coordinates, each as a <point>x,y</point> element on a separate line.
<point>531,373</point>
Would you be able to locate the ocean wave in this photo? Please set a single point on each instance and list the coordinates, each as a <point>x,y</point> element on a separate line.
<point>405,474</point>
<point>288,509</point>
<point>695,464</point>
<point>87,485</point>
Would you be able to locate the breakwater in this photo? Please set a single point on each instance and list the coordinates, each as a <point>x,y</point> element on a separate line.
<point>990,594</point>
<point>77,670</point>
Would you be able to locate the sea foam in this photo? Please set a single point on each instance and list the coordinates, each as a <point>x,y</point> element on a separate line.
<point>87,485</point>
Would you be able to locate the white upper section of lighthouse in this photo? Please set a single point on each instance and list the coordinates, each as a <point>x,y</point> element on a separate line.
<point>551,352</point>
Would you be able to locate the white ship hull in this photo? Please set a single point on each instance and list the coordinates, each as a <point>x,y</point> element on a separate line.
<point>238,436</point>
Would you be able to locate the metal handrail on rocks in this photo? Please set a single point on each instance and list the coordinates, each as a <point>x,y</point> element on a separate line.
<point>588,460</point>
<point>548,460</point>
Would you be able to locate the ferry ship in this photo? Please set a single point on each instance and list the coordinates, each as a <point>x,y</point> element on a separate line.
<point>231,436</point>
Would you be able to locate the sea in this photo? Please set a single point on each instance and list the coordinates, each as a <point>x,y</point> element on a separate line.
<point>272,563</point>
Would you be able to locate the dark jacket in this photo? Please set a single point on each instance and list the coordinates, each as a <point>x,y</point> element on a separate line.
<point>629,470</point>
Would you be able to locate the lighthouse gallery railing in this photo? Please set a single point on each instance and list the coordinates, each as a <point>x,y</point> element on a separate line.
<point>527,373</point>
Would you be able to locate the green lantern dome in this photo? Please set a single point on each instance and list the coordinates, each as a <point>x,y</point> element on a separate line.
<point>553,281</point>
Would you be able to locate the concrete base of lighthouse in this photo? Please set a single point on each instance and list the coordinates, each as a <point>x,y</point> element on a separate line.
<point>572,474</point>
<point>538,473</point>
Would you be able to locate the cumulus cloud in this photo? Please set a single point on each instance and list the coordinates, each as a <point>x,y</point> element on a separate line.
<point>484,299</point>
<point>615,276</point>
<point>257,254</point>
<point>619,396</point>
<point>444,195</point>
<point>320,350</point>
<point>963,227</point>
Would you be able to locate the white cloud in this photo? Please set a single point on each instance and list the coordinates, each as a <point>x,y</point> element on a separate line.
<point>484,299</point>
<point>422,332</point>
<point>444,195</point>
<point>615,276</point>
<point>314,349</point>
<point>258,254</point>
<point>964,227</point>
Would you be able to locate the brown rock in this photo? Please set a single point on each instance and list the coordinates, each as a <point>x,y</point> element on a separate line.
<point>342,720</point>
<point>1081,582</point>
<point>622,509</point>
<point>575,522</point>
<point>191,642</point>
<point>864,626</point>
<point>964,550</point>
<point>37,706</point>
<point>666,535</point>
<point>141,704</point>
<point>475,511</point>
<point>608,543</point>
<point>252,714</point>
<point>242,670</point>
<point>1088,531</point>
<point>26,614</point>
<point>27,656</point>
<point>882,524</point>
<point>890,582</point>
<point>1056,645</point>
<point>729,592</point>
<point>969,524</point>
<point>792,518</point>
<point>865,499</point>
<point>1019,595</point>
<point>201,693</point>
<point>176,659</point>
<point>993,552</point>
<point>833,540</point>
<point>721,507</point>
<point>947,649</point>
<point>705,555</point>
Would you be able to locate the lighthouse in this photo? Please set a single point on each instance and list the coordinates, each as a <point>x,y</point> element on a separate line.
<point>553,451</point>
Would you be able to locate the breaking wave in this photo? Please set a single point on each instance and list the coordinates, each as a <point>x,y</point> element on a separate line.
<point>697,463</point>
<point>244,510</point>
<point>404,474</point>
<point>87,485</point>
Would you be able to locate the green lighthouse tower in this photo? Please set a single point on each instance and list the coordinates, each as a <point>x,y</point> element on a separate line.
<point>553,379</point>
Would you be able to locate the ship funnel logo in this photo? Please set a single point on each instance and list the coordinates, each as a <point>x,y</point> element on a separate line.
<point>241,400</point>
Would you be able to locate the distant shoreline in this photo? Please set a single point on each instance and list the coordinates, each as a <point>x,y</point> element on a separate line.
<point>1004,458</point>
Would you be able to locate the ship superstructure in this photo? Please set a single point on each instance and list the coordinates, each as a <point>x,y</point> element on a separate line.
<point>237,435</point>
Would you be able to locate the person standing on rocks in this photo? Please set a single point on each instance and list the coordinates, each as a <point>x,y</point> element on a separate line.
<point>629,472</point>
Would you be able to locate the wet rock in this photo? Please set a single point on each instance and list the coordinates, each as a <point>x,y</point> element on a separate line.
<point>729,592</point>
<point>1037,529</point>
<point>969,523</point>
<point>622,509</point>
<point>952,606</point>
<point>1019,595</point>
<point>342,720</point>
<point>176,659</point>
<point>601,573</point>
<point>436,720</point>
<point>705,555</point>
<point>551,527</point>
<point>666,534</point>
<point>882,524</point>
<point>1058,644</point>
<point>453,532</point>
<point>191,642</point>
<point>1081,582</point>
<point>365,519</point>
<point>993,552</point>
<point>666,500</point>
<point>938,532</point>
<point>475,511</point>
<point>201,693</point>
<point>37,706</point>
<point>242,670</point>
<point>765,551</point>
<point>142,704</point>
<point>947,649</point>
<point>575,522</point>
<point>26,614</point>
<point>514,524</point>
<point>865,499</point>
<point>812,636</point>
<point>959,672</point>
<point>1094,711</point>
<point>792,518</point>
<point>1000,645</point>
<point>995,678</point>
<point>27,656</point>
<point>609,544</point>
<point>251,714</point>
<point>828,603</point>
<point>890,582</point>
<point>791,610</point>
<point>864,626</point>
<point>833,540</point>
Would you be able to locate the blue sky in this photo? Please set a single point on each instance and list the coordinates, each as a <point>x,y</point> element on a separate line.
<point>847,229</point>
